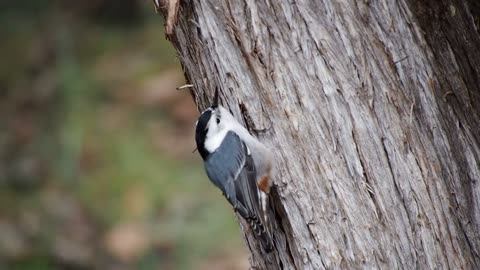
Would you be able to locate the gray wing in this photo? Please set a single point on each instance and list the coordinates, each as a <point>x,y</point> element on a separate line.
<point>232,169</point>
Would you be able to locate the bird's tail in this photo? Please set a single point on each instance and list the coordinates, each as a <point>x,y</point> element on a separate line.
<point>261,233</point>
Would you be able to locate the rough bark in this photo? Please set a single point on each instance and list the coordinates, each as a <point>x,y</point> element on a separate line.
<point>373,111</point>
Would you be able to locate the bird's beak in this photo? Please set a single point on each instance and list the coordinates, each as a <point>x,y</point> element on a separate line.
<point>215,99</point>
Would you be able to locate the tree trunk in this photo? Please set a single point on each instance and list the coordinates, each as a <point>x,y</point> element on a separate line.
<point>373,111</point>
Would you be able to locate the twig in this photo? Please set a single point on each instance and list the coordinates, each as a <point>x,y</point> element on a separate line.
<point>186,86</point>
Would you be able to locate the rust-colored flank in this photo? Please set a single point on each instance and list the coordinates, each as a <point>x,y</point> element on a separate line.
<point>264,184</point>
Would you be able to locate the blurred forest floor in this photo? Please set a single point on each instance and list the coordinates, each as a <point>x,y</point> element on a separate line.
<point>96,162</point>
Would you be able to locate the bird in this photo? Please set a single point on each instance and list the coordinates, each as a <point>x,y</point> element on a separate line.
<point>239,165</point>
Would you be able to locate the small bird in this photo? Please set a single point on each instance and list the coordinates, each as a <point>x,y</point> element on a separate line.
<point>238,164</point>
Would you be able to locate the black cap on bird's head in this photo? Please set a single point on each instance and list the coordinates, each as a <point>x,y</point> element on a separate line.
<point>202,123</point>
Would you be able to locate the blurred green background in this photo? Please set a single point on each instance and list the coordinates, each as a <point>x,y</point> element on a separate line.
<point>96,162</point>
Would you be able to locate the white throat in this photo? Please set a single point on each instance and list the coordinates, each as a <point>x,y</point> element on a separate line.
<point>212,142</point>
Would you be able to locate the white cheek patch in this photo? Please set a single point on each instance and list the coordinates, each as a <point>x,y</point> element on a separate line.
<point>213,142</point>
<point>216,134</point>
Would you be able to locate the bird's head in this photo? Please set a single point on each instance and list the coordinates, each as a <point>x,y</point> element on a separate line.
<point>211,127</point>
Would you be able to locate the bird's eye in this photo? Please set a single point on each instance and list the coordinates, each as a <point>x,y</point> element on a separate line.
<point>218,120</point>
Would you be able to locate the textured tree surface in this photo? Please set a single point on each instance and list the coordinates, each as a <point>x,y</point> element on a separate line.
<point>373,111</point>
